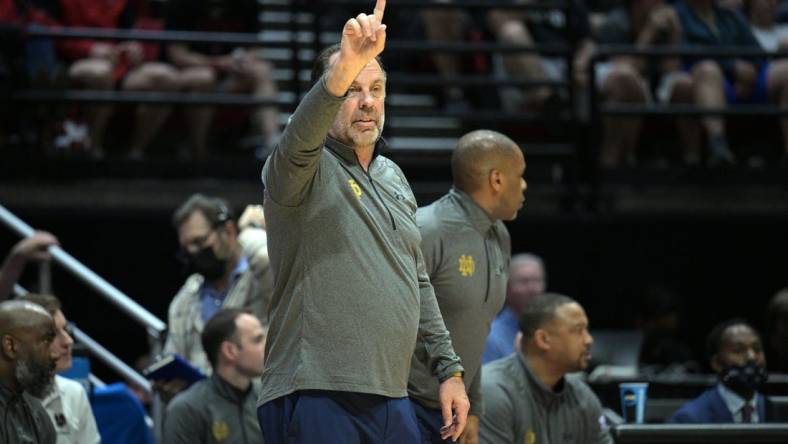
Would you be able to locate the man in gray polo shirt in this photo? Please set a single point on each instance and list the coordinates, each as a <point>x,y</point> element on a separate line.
<point>528,396</point>
<point>221,409</point>
<point>351,291</point>
<point>467,248</point>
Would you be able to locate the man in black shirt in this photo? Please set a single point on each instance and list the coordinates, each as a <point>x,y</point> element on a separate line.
<point>26,366</point>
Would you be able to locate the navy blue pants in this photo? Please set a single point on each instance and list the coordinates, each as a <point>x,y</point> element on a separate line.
<point>430,423</point>
<point>319,417</point>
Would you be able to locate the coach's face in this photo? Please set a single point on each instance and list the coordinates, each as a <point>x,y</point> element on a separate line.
<point>359,123</point>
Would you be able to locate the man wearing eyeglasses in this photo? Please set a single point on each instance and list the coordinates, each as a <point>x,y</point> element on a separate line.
<point>227,266</point>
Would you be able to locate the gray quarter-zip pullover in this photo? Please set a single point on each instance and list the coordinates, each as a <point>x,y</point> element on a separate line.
<point>520,408</point>
<point>467,255</point>
<point>351,293</point>
<point>211,412</point>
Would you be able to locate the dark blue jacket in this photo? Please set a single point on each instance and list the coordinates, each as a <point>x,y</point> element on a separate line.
<point>709,407</point>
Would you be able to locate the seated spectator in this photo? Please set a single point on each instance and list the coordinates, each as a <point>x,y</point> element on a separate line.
<point>736,355</point>
<point>529,27</point>
<point>448,25</point>
<point>223,407</point>
<point>663,348</point>
<point>33,248</point>
<point>528,396</point>
<point>527,279</point>
<point>625,79</point>
<point>227,266</point>
<point>762,15</point>
<point>66,401</point>
<point>98,65</point>
<point>522,27</point>
<point>212,67</point>
<point>26,364</point>
<point>713,83</point>
<point>777,328</point>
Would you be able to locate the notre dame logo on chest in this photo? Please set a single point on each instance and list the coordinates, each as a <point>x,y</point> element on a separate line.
<point>220,430</point>
<point>355,187</point>
<point>467,265</point>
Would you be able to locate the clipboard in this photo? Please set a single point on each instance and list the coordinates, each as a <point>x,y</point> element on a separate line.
<point>173,366</point>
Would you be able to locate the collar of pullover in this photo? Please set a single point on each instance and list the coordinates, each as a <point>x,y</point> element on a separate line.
<point>348,154</point>
<point>479,218</point>
<point>231,393</point>
<point>538,388</point>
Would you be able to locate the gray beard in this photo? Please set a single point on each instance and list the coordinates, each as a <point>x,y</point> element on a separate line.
<point>33,379</point>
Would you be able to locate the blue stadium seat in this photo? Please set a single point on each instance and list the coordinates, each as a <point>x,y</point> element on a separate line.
<point>120,416</point>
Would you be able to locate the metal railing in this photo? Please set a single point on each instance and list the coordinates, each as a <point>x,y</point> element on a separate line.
<point>454,4</point>
<point>153,325</point>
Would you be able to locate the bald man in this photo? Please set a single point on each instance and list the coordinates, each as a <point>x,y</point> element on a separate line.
<point>26,366</point>
<point>467,249</point>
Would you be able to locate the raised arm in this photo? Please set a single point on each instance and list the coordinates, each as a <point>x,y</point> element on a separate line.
<point>291,168</point>
<point>33,248</point>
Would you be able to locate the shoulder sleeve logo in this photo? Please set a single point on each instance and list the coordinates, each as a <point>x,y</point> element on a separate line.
<point>220,430</point>
<point>467,265</point>
<point>356,189</point>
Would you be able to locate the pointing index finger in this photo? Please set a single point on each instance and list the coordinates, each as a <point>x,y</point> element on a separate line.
<point>380,7</point>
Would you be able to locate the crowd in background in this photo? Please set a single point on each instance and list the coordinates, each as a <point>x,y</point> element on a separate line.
<point>218,320</point>
<point>709,83</point>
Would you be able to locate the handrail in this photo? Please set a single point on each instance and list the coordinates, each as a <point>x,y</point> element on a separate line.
<point>690,110</point>
<point>169,36</point>
<point>154,98</point>
<point>492,47</point>
<point>111,360</point>
<point>683,51</point>
<point>458,4</point>
<point>401,78</point>
<point>253,39</point>
<point>155,326</point>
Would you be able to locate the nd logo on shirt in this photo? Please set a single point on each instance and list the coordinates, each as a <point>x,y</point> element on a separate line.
<point>530,437</point>
<point>467,265</point>
<point>220,430</point>
<point>356,189</point>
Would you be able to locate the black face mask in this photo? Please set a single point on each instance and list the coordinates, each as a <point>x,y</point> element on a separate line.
<point>206,263</point>
<point>748,377</point>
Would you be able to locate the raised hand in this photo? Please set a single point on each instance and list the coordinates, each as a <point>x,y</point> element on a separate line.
<point>364,37</point>
<point>35,247</point>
